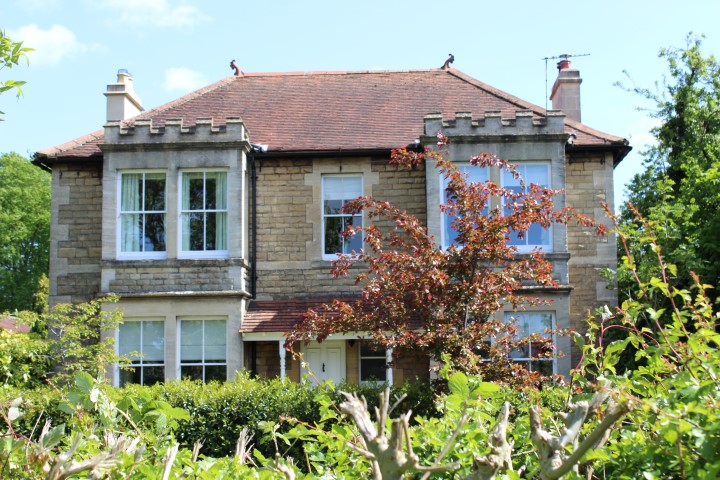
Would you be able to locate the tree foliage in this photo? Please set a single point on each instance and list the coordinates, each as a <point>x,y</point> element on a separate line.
<point>678,193</point>
<point>419,296</point>
<point>11,54</point>
<point>24,232</point>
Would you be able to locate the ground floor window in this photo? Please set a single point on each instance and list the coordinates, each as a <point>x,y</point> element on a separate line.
<point>373,363</point>
<point>203,350</point>
<point>530,354</point>
<point>143,342</point>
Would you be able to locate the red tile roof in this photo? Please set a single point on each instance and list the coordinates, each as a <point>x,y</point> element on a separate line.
<point>278,315</point>
<point>329,111</point>
<point>10,323</point>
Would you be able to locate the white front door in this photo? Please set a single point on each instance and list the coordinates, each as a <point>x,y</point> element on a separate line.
<point>326,360</point>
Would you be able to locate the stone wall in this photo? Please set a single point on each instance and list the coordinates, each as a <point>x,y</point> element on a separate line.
<point>411,367</point>
<point>175,275</point>
<point>589,181</point>
<point>75,246</point>
<point>289,257</point>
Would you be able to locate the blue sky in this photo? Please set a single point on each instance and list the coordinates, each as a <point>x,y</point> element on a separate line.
<point>172,47</point>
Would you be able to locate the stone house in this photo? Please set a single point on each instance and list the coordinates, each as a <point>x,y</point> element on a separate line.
<point>215,216</point>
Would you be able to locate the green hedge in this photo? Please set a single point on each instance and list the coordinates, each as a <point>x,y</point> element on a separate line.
<point>219,411</point>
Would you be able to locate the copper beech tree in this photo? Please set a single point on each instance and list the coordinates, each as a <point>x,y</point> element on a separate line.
<point>418,296</point>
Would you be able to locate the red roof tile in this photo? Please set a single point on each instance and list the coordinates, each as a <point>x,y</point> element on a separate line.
<point>278,315</point>
<point>326,111</point>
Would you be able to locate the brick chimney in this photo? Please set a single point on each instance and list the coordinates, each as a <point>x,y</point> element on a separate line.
<point>122,101</point>
<point>566,90</point>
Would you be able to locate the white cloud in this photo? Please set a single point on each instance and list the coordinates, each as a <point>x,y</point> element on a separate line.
<point>155,13</point>
<point>183,79</point>
<point>51,45</point>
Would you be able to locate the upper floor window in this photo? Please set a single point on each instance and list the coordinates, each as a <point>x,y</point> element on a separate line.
<point>203,350</point>
<point>474,174</point>
<point>203,213</point>
<point>536,236</point>
<point>528,323</point>
<point>142,214</point>
<point>337,190</point>
<point>144,342</point>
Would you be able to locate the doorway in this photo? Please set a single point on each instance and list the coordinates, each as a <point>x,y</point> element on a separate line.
<point>326,360</point>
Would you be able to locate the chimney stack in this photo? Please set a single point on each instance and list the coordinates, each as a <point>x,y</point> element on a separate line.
<point>122,101</point>
<point>566,90</point>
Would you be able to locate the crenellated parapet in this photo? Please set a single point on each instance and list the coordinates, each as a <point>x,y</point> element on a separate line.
<point>493,125</point>
<point>174,132</point>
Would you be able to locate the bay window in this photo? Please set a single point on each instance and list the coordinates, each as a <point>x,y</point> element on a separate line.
<point>143,341</point>
<point>142,214</point>
<point>203,350</point>
<point>536,235</point>
<point>203,214</point>
<point>530,354</point>
<point>475,174</point>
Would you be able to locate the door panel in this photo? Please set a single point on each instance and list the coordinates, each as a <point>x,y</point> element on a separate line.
<point>326,360</point>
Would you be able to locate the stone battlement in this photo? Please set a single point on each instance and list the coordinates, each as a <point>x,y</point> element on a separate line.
<point>173,132</point>
<point>492,124</point>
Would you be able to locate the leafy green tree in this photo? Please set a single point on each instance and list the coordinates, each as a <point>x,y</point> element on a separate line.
<point>11,54</point>
<point>678,193</point>
<point>24,231</point>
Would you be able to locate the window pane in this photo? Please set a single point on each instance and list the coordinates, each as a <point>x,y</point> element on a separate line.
<point>191,332</point>
<point>153,342</point>
<point>216,372</point>
<point>193,229</point>
<point>131,192</point>
<point>154,191</point>
<point>130,232</point>
<point>193,372</point>
<point>210,231</point>
<point>353,243</point>
<point>368,350</point>
<point>543,366</point>
<point>373,369</point>
<point>333,239</point>
<point>153,375</point>
<point>220,234</point>
<point>130,375</point>
<point>154,240</point>
<point>193,191</point>
<point>216,190</point>
<point>333,207</point>
<point>537,174</point>
<point>475,174</point>
<point>129,338</point>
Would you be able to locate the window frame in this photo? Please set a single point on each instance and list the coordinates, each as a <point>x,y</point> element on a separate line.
<point>520,165</point>
<point>362,357</point>
<point>142,365</point>
<point>202,363</point>
<point>323,215</point>
<point>446,219</point>
<point>194,254</point>
<point>529,360</point>
<point>141,255</point>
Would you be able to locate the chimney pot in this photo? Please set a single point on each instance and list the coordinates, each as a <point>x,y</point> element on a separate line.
<point>564,64</point>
